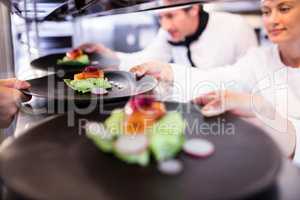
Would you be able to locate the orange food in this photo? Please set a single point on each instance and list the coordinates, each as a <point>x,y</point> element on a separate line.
<point>79,76</point>
<point>143,118</point>
<point>74,54</point>
<point>86,75</point>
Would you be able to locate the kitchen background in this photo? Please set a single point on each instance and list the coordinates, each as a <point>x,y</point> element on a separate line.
<point>129,33</point>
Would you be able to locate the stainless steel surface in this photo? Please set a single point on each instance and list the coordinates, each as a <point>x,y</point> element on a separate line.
<point>65,10</point>
<point>30,114</point>
<point>130,8</point>
<point>38,10</point>
<point>6,53</point>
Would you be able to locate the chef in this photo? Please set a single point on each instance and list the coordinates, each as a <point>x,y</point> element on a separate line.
<point>191,36</point>
<point>268,78</point>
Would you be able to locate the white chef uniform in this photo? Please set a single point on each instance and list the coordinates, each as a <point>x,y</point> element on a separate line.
<point>259,71</point>
<point>221,38</point>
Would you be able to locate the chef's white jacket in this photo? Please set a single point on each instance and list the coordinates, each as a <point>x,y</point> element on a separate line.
<point>225,39</point>
<point>260,71</point>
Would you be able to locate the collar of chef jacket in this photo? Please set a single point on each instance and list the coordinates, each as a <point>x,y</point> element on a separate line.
<point>203,19</point>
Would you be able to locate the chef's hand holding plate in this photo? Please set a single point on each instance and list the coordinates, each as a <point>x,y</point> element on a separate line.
<point>98,48</point>
<point>240,103</point>
<point>218,102</point>
<point>259,112</point>
<point>10,99</point>
<point>160,71</point>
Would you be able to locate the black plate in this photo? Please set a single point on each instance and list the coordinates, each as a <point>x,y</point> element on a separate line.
<point>53,161</point>
<point>49,62</point>
<point>52,87</point>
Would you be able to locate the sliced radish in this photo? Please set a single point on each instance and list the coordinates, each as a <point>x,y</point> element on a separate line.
<point>128,110</point>
<point>95,62</point>
<point>131,144</point>
<point>97,129</point>
<point>199,148</point>
<point>99,91</point>
<point>170,167</point>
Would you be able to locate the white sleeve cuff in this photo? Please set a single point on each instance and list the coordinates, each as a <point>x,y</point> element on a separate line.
<point>124,65</point>
<point>189,82</point>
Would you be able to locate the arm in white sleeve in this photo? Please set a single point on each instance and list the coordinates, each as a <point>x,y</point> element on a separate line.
<point>158,50</point>
<point>190,82</point>
<point>245,38</point>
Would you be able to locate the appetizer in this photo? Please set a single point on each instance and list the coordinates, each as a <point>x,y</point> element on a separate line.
<point>90,80</point>
<point>75,57</point>
<point>142,128</point>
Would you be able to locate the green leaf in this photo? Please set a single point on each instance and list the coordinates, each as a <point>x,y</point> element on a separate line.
<point>105,145</point>
<point>142,159</point>
<point>167,136</point>
<point>82,60</point>
<point>115,122</point>
<point>87,85</point>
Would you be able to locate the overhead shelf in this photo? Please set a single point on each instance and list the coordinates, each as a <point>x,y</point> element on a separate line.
<point>58,10</point>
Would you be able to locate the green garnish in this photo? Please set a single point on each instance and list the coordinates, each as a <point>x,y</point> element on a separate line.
<point>82,60</point>
<point>166,138</point>
<point>86,85</point>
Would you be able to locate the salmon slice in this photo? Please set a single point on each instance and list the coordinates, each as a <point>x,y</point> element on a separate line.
<point>143,118</point>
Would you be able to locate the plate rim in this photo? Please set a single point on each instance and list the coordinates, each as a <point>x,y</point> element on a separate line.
<point>154,81</point>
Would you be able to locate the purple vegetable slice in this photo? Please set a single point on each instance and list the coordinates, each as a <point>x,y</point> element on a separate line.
<point>99,91</point>
<point>170,167</point>
<point>200,148</point>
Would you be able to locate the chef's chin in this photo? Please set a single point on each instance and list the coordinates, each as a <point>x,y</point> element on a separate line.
<point>176,39</point>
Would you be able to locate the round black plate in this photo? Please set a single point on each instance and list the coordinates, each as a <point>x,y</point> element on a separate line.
<point>53,161</point>
<point>52,87</point>
<point>49,62</point>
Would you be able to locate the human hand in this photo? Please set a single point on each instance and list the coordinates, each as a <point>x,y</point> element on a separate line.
<point>10,99</point>
<point>216,103</point>
<point>160,71</point>
<point>98,48</point>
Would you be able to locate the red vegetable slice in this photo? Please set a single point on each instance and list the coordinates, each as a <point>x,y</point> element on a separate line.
<point>141,101</point>
<point>199,148</point>
<point>90,69</point>
<point>170,167</point>
<point>131,144</point>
